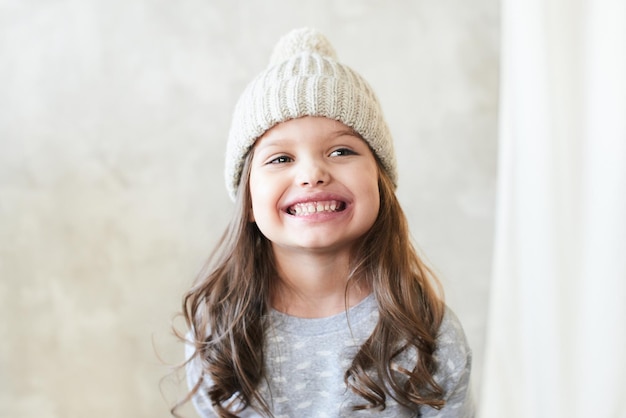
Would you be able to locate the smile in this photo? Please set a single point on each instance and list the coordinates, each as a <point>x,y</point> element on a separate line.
<point>310,208</point>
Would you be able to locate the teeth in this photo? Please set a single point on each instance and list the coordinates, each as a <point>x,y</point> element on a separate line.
<point>303,209</point>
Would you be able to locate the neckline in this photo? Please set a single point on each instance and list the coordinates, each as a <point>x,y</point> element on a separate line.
<point>316,326</point>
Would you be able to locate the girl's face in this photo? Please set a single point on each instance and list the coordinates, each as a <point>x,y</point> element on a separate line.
<point>313,186</point>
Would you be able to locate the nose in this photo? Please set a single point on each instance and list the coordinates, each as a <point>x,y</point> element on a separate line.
<point>312,173</point>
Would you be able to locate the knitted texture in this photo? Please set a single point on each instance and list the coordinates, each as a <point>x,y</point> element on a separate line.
<point>304,78</point>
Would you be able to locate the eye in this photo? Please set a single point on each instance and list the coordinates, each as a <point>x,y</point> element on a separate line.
<point>280,160</point>
<point>342,152</point>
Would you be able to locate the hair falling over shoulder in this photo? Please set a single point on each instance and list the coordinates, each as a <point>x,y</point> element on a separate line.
<point>410,307</point>
<point>225,311</point>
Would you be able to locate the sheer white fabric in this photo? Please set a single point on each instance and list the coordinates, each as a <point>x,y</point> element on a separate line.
<point>556,337</point>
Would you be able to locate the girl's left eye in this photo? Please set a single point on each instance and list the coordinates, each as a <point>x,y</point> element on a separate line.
<point>341,152</point>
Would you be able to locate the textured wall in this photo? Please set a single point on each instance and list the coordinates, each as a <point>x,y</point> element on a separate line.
<point>113,115</point>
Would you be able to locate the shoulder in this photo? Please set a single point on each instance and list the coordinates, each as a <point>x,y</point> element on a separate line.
<point>453,356</point>
<point>453,365</point>
<point>451,333</point>
<point>453,353</point>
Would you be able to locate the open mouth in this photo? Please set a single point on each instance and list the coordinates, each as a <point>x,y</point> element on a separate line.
<point>311,208</point>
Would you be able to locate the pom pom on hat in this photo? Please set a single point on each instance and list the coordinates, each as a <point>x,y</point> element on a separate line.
<point>304,78</point>
<point>299,41</point>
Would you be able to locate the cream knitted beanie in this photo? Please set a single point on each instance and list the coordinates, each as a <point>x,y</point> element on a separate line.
<point>304,78</point>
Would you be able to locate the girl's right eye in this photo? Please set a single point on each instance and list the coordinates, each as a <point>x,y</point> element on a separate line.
<point>280,160</point>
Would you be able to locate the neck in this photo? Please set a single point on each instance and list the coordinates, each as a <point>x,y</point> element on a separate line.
<point>313,285</point>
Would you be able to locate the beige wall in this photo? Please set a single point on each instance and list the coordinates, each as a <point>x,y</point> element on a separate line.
<point>113,115</point>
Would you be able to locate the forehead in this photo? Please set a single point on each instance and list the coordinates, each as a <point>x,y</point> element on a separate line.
<point>305,129</point>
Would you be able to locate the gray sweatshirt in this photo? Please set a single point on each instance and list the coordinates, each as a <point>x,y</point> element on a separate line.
<point>306,360</point>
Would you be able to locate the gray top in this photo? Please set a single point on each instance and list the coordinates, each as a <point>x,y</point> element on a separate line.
<point>307,358</point>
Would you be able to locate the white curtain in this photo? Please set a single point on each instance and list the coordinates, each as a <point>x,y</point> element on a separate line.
<point>556,336</point>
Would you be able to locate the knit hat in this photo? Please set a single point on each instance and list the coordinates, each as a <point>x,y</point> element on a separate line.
<point>304,78</point>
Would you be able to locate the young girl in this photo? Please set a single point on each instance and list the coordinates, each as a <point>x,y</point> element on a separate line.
<point>315,303</point>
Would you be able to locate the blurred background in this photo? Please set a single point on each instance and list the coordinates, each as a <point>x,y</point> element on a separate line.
<point>113,120</point>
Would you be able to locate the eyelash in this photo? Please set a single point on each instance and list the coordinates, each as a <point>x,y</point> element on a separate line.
<point>340,152</point>
<point>344,151</point>
<point>280,160</point>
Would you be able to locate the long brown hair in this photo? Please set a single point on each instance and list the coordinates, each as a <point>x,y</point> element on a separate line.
<point>227,306</point>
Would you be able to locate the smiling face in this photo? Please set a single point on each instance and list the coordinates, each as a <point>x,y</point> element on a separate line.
<point>313,186</point>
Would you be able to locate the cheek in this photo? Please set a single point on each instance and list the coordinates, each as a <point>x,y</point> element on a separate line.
<point>254,202</point>
<point>371,185</point>
<point>260,196</point>
<point>253,190</point>
<point>370,197</point>
<point>374,196</point>
<point>375,202</point>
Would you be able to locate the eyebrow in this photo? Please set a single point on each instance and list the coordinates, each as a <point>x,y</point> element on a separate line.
<point>332,135</point>
<point>349,131</point>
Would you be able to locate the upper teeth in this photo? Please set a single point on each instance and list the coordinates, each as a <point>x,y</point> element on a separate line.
<point>314,207</point>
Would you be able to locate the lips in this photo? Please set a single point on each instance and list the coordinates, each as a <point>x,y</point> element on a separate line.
<point>315,207</point>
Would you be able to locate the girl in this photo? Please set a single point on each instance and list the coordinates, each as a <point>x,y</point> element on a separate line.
<point>315,303</point>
